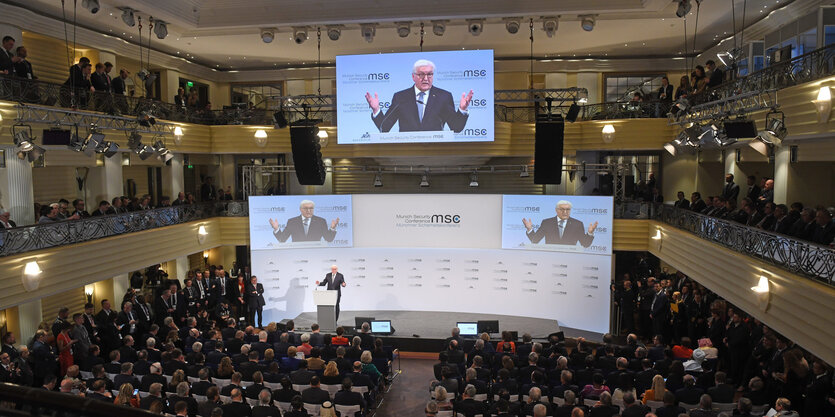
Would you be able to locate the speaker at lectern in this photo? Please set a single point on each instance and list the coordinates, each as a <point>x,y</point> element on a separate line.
<point>325,301</point>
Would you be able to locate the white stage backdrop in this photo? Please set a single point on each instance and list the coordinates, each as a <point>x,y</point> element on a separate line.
<point>443,253</point>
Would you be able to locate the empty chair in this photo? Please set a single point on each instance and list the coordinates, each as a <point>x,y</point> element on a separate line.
<point>331,388</point>
<point>347,410</point>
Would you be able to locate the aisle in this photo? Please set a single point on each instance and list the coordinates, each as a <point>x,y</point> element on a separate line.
<point>410,391</point>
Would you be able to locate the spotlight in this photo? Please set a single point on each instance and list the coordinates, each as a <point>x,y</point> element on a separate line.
<point>161,29</point>
<point>268,34</point>
<point>334,32</point>
<point>76,143</point>
<point>91,5</point>
<point>404,29</point>
<point>135,144</point>
<point>671,148</point>
<point>378,179</point>
<point>550,26</point>
<point>587,22</point>
<point>475,26</point>
<point>163,153</point>
<point>146,119</point>
<point>35,153</point>
<point>438,27</point>
<point>692,135</point>
<point>775,126</point>
<point>474,179</point>
<point>524,173</point>
<point>512,25</point>
<point>684,7</point>
<point>23,140</point>
<point>368,31</point>
<point>127,17</point>
<point>107,148</point>
<point>424,179</point>
<point>299,35</point>
<point>92,143</point>
<point>681,106</point>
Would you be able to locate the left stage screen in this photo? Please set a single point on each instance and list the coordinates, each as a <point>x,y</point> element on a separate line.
<point>285,222</point>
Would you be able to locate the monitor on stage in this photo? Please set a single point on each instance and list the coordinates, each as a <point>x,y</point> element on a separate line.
<point>467,328</point>
<point>381,326</point>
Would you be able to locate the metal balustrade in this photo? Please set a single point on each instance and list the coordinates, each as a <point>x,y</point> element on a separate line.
<point>801,257</point>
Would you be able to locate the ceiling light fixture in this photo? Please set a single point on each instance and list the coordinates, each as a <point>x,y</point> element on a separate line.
<point>92,5</point>
<point>128,17</point>
<point>474,179</point>
<point>524,173</point>
<point>403,29</point>
<point>368,31</point>
<point>299,35</point>
<point>550,26</point>
<point>268,34</point>
<point>378,179</point>
<point>475,26</point>
<point>334,32</point>
<point>587,21</point>
<point>684,7</point>
<point>424,179</point>
<point>439,27</point>
<point>160,29</point>
<point>512,25</point>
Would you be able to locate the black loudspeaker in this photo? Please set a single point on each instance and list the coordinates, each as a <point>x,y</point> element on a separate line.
<point>741,129</point>
<point>307,155</point>
<point>548,152</point>
<point>573,112</point>
<point>279,120</point>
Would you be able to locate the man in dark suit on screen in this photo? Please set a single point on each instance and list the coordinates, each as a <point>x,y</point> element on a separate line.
<point>306,227</point>
<point>421,107</point>
<point>562,229</point>
<point>334,281</point>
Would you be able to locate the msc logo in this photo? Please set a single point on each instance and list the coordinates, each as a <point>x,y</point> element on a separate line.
<point>474,73</point>
<point>474,132</point>
<point>278,209</point>
<point>380,76</point>
<point>601,229</point>
<point>445,218</point>
<point>340,242</point>
<point>599,211</point>
<point>478,102</point>
<point>596,248</point>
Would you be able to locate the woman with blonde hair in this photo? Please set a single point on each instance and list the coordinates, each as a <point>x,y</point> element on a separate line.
<point>179,376</point>
<point>269,356</point>
<point>330,376</point>
<point>656,393</point>
<point>126,397</point>
<point>225,368</point>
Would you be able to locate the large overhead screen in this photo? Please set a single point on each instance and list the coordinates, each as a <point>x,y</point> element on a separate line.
<point>415,97</point>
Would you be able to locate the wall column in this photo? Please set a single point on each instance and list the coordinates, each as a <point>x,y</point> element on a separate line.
<point>16,186</point>
<point>172,177</point>
<point>30,316</point>
<point>120,287</point>
<point>105,182</point>
<point>782,174</point>
<point>182,268</point>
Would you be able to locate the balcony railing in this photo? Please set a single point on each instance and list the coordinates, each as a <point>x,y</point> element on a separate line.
<point>48,235</point>
<point>803,258</point>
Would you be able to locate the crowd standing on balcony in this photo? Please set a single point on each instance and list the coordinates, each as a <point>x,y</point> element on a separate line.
<point>758,209</point>
<point>185,350</point>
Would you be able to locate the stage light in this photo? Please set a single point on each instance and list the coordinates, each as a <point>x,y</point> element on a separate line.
<point>35,153</point>
<point>163,153</point>
<point>299,35</point>
<point>403,29</point>
<point>692,134</point>
<point>279,120</point>
<point>160,29</point>
<point>268,34</point>
<point>107,148</point>
<point>127,17</point>
<point>608,133</point>
<point>550,26</point>
<point>23,140</point>
<point>334,32</point>
<point>474,179</point>
<point>92,5</point>
<point>524,173</point>
<point>368,31</point>
<point>76,143</point>
<point>670,148</point>
<point>684,7</point>
<point>424,179</point>
<point>438,27</point>
<point>512,25</point>
<point>146,119</point>
<point>378,179</point>
<point>587,22</point>
<point>475,26</point>
<point>823,104</point>
<point>92,143</point>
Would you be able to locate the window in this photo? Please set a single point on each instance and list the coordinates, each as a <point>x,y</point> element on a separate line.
<point>808,41</point>
<point>258,95</point>
<point>622,87</point>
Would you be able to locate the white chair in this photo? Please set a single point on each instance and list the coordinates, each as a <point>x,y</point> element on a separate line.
<point>192,379</point>
<point>273,385</point>
<point>252,402</point>
<point>654,405</point>
<point>589,403</point>
<point>759,410</point>
<point>312,409</point>
<point>221,382</point>
<point>723,406</point>
<point>246,383</point>
<point>85,374</point>
<point>300,387</point>
<point>284,407</point>
<point>143,394</point>
<point>480,397</point>
<point>360,389</point>
<point>688,407</point>
<point>199,398</point>
<point>444,413</point>
<point>111,376</point>
<point>167,378</point>
<point>347,410</point>
<point>331,388</point>
<point>559,401</point>
<point>224,399</point>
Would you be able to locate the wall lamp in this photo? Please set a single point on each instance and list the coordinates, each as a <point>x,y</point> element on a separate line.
<point>202,234</point>
<point>261,138</point>
<point>823,104</point>
<point>608,133</point>
<point>763,291</point>
<point>31,277</point>
<point>88,291</point>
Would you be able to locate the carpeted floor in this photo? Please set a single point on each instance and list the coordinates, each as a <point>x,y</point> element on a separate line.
<point>410,391</point>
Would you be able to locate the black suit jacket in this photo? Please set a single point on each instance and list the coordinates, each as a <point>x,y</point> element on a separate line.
<point>6,62</point>
<point>730,191</point>
<point>698,205</point>
<point>315,396</point>
<point>316,231</point>
<point>754,193</point>
<point>440,110</point>
<point>333,283</point>
<point>255,296</point>
<point>23,69</point>
<point>237,409</point>
<point>666,92</point>
<point>118,86</point>
<point>100,82</point>
<point>266,411</point>
<point>549,229</point>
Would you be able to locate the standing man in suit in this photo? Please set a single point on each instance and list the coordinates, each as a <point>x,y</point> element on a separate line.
<point>658,310</point>
<point>23,68</point>
<point>334,281</point>
<point>119,88</point>
<point>255,300</point>
<point>421,107</point>
<point>753,188</point>
<point>7,58</point>
<point>682,202</point>
<point>305,227</point>
<point>731,190</point>
<point>562,229</point>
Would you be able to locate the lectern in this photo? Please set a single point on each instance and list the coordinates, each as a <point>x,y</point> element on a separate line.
<point>326,308</point>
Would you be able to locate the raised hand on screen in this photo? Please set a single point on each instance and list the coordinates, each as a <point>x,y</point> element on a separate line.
<point>528,224</point>
<point>592,227</point>
<point>274,224</point>
<point>317,282</point>
<point>466,98</point>
<point>373,102</point>
<point>334,222</point>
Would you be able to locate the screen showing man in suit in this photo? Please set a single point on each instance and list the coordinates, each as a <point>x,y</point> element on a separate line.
<point>442,96</point>
<point>562,229</point>
<point>421,107</point>
<point>306,227</point>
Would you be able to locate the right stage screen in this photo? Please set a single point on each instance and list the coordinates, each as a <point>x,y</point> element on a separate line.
<point>581,224</point>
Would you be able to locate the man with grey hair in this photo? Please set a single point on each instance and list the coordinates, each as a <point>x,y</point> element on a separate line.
<point>264,407</point>
<point>334,281</point>
<point>539,410</point>
<point>468,406</point>
<point>561,229</point>
<point>421,107</point>
<point>305,227</point>
<point>5,219</point>
<point>534,398</point>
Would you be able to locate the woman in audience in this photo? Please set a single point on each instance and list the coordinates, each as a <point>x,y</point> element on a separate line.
<point>225,369</point>
<point>157,407</point>
<point>707,346</point>
<point>331,374</point>
<point>627,384</point>
<point>286,393</point>
<point>604,407</point>
<point>683,87</point>
<point>238,298</point>
<point>339,339</point>
<point>290,362</point>
<point>699,80</point>
<point>378,351</point>
<point>269,357</point>
<point>369,368</point>
<point>675,378</point>
<point>296,408</point>
<point>442,398</point>
<point>507,363</point>
<point>174,338</point>
<point>126,397</point>
<point>506,345</point>
<point>678,317</point>
<point>794,378</point>
<point>656,393</point>
<point>64,343</point>
<point>179,376</point>
<point>595,389</point>
<point>273,374</point>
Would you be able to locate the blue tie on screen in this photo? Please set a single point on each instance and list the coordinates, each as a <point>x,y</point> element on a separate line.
<point>421,105</point>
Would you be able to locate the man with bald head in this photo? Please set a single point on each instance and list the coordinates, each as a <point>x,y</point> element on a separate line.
<point>562,229</point>
<point>306,227</point>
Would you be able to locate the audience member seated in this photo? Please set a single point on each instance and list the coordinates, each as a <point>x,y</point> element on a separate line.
<point>315,394</point>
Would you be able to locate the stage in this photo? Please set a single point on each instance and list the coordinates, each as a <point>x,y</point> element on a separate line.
<point>424,331</point>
